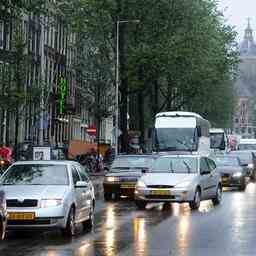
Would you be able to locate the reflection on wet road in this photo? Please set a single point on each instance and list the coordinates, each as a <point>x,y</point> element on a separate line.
<point>120,229</point>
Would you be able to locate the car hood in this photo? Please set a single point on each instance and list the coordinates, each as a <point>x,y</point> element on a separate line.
<point>34,191</point>
<point>169,179</point>
<point>128,173</point>
<point>229,169</point>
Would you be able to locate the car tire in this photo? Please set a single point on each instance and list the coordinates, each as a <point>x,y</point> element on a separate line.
<point>242,187</point>
<point>88,224</point>
<point>107,196</point>
<point>2,230</point>
<point>69,229</point>
<point>141,205</point>
<point>218,197</point>
<point>195,204</point>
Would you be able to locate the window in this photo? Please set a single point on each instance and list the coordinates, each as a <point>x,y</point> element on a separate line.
<point>75,175</point>
<point>83,174</point>
<point>203,165</point>
<point>1,34</point>
<point>211,164</point>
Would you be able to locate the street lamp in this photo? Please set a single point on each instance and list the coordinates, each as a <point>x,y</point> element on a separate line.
<point>117,78</point>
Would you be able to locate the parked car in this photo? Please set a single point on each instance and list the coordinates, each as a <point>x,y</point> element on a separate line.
<point>247,144</point>
<point>48,194</point>
<point>233,174</point>
<point>3,215</point>
<point>124,173</point>
<point>247,159</point>
<point>180,178</point>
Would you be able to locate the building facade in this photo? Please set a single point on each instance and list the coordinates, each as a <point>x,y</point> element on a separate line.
<point>55,114</point>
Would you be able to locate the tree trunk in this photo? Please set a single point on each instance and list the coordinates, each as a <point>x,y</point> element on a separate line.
<point>141,117</point>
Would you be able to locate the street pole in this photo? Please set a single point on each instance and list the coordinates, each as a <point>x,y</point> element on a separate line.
<point>41,129</point>
<point>117,80</point>
<point>117,88</point>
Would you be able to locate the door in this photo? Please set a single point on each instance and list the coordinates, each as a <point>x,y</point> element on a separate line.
<point>78,194</point>
<point>205,178</point>
<point>214,176</point>
<point>87,193</point>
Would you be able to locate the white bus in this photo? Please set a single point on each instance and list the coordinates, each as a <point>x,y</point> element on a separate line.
<point>181,131</point>
<point>218,140</point>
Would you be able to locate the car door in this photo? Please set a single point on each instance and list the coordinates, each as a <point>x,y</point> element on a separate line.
<point>78,193</point>
<point>214,177</point>
<point>205,178</point>
<point>87,193</point>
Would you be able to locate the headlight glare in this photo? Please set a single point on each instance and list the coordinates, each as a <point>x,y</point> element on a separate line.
<point>46,203</point>
<point>237,174</point>
<point>140,184</point>
<point>112,179</point>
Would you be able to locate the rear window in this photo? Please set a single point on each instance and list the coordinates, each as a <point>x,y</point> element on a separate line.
<point>132,163</point>
<point>31,174</point>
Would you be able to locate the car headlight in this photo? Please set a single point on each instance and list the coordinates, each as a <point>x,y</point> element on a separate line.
<point>183,184</point>
<point>237,174</point>
<point>140,184</point>
<point>251,166</point>
<point>112,179</point>
<point>45,203</point>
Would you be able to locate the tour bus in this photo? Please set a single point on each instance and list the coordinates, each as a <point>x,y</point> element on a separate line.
<point>218,140</point>
<point>181,131</point>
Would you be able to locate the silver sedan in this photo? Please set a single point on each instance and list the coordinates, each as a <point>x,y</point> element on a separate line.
<point>179,178</point>
<point>48,194</point>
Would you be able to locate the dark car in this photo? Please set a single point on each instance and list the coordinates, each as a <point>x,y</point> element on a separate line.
<point>247,159</point>
<point>124,173</point>
<point>231,171</point>
<point>3,215</point>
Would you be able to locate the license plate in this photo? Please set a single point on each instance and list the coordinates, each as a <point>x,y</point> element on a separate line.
<point>224,179</point>
<point>128,185</point>
<point>21,215</point>
<point>160,192</point>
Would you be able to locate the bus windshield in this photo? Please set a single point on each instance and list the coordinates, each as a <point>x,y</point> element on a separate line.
<point>217,140</point>
<point>176,139</point>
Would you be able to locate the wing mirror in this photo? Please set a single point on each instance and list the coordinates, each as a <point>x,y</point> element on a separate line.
<point>81,184</point>
<point>144,170</point>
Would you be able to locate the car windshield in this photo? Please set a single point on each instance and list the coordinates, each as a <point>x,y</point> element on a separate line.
<point>175,165</point>
<point>176,139</point>
<point>247,147</point>
<point>36,174</point>
<point>244,157</point>
<point>132,163</point>
<point>227,161</point>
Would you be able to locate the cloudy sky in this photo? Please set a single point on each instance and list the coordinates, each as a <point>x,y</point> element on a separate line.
<point>237,12</point>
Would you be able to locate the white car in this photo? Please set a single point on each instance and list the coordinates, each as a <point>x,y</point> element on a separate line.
<point>179,178</point>
<point>48,194</point>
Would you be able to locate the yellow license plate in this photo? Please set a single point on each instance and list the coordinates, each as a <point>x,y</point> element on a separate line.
<point>21,215</point>
<point>128,185</point>
<point>224,179</point>
<point>160,192</point>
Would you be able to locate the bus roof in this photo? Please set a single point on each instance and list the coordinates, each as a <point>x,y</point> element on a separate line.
<point>179,113</point>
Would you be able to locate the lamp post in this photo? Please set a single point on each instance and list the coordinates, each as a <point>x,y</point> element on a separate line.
<point>117,80</point>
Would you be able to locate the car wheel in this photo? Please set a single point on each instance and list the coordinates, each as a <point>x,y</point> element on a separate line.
<point>218,197</point>
<point>88,224</point>
<point>141,205</point>
<point>69,230</point>
<point>195,204</point>
<point>2,231</point>
<point>107,196</point>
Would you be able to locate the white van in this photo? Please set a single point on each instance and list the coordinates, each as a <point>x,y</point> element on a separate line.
<point>247,144</point>
<point>219,140</point>
<point>181,131</point>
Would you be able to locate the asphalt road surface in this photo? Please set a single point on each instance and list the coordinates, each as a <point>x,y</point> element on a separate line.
<point>120,229</point>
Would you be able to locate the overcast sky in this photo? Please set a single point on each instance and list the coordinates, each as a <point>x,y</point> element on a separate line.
<point>237,12</point>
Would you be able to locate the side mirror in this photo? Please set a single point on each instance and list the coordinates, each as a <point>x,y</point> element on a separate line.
<point>81,184</point>
<point>144,170</point>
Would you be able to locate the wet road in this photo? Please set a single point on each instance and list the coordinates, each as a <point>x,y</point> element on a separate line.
<point>120,229</point>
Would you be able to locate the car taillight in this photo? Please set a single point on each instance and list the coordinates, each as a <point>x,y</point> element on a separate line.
<point>2,162</point>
